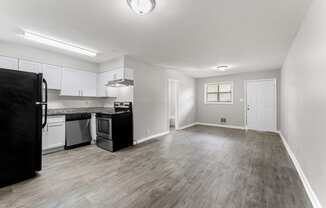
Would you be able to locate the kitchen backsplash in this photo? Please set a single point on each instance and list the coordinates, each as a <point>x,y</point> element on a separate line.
<point>57,101</point>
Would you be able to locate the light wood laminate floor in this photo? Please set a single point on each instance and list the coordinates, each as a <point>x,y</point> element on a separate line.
<point>197,167</point>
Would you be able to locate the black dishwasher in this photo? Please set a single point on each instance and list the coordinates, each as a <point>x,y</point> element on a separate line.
<point>78,130</point>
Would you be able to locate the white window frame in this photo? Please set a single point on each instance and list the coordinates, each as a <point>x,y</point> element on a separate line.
<point>219,103</point>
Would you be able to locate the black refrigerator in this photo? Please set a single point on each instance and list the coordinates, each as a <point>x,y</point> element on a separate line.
<point>23,101</point>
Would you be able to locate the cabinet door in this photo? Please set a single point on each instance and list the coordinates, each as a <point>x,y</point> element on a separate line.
<point>8,63</point>
<point>100,85</point>
<point>70,85</point>
<point>55,135</point>
<point>53,75</point>
<point>30,66</point>
<point>87,84</point>
<point>93,126</point>
<point>102,80</point>
<point>44,135</point>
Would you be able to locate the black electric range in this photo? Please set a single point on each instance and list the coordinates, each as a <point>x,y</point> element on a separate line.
<point>114,129</point>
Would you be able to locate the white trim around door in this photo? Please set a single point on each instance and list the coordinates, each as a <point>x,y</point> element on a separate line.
<point>173,83</point>
<point>246,83</point>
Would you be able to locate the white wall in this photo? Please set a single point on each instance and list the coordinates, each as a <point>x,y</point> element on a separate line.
<point>43,56</point>
<point>112,64</point>
<point>151,98</point>
<point>186,97</point>
<point>234,113</point>
<point>303,98</point>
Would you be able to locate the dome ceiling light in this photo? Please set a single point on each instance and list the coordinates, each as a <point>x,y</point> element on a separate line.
<point>142,7</point>
<point>222,68</point>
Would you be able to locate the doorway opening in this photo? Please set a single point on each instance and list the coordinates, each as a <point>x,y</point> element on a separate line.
<point>173,104</point>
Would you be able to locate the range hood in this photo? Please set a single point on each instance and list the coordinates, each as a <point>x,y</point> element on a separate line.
<point>120,77</point>
<point>120,83</point>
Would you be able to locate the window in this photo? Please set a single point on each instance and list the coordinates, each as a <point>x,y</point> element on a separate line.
<point>219,93</point>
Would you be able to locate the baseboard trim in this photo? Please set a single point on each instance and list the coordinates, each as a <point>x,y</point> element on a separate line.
<point>311,194</point>
<point>187,126</point>
<point>220,125</point>
<point>151,137</point>
<point>53,150</point>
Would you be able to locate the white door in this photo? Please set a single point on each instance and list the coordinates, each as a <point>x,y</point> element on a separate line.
<point>261,105</point>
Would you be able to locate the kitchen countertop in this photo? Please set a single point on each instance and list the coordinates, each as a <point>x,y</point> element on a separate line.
<point>65,111</point>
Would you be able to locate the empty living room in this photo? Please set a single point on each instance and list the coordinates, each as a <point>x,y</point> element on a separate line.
<point>163,104</point>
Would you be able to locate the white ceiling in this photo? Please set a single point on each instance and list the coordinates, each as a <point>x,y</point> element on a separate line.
<point>193,36</point>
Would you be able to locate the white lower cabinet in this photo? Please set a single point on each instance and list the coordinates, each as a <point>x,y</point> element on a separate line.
<point>93,126</point>
<point>54,133</point>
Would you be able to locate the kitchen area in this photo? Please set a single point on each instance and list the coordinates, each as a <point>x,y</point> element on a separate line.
<point>82,107</point>
<point>76,102</point>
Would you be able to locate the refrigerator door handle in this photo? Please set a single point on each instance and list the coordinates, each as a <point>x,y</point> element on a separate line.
<point>44,103</point>
<point>46,90</point>
<point>45,115</point>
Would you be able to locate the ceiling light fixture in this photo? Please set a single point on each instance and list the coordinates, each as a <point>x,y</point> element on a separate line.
<point>142,6</point>
<point>222,68</point>
<point>46,40</point>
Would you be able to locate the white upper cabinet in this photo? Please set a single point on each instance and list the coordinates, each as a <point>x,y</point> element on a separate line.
<point>8,63</point>
<point>78,83</point>
<point>53,75</point>
<point>102,80</point>
<point>88,84</point>
<point>70,82</point>
<point>30,66</point>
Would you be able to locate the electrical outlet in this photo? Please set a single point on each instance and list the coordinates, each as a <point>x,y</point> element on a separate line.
<point>223,120</point>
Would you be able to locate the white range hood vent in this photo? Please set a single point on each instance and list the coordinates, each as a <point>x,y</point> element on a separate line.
<point>120,83</point>
<point>120,78</point>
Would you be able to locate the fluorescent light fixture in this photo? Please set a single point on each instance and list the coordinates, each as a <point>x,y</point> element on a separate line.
<point>222,67</point>
<point>46,40</point>
<point>141,6</point>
